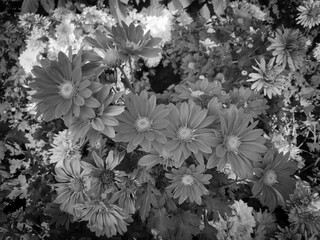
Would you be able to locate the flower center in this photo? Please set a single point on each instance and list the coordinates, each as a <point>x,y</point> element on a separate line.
<point>196,93</point>
<point>232,143</point>
<point>67,90</point>
<point>143,124</point>
<point>270,178</point>
<point>76,185</point>
<point>107,177</point>
<point>187,179</point>
<point>112,58</point>
<point>185,134</point>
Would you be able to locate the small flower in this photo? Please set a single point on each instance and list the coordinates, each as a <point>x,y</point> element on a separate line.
<point>272,181</point>
<point>103,174</point>
<point>238,143</point>
<point>316,52</point>
<point>266,224</point>
<point>132,41</point>
<point>309,14</point>
<point>268,78</point>
<point>244,73</point>
<point>288,48</point>
<point>28,59</point>
<point>142,123</point>
<point>71,187</point>
<point>103,218</point>
<point>188,131</point>
<point>63,149</point>
<point>187,183</point>
<point>64,89</point>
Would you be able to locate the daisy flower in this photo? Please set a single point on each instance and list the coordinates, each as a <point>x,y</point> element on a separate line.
<point>132,41</point>
<point>288,48</point>
<point>103,174</point>
<point>267,78</point>
<point>71,187</point>
<point>272,181</point>
<point>266,224</point>
<point>188,183</point>
<point>63,149</point>
<point>64,89</point>
<point>238,143</point>
<point>142,123</point>
<point>103,120</point>
<point>309,14</point>
<point>188,131</point>
<point>103,218</point>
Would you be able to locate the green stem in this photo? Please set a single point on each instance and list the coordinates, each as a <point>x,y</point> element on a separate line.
<point>126,80</point>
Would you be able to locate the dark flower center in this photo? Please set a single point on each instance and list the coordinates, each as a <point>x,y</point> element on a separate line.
<point>107,177</point>
<point>76,185</point>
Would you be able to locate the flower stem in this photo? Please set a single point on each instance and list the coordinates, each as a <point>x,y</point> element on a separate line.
<point>126,80</point>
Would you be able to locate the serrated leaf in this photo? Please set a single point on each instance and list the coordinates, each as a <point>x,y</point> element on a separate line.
<point>219,6</point>
<point>217,206</point>
<point>146,199</point>
<point>186,225</point>
<point>29,6</point>
<point>160,220</point>
<point>16,136</point>
<point>57,216</point>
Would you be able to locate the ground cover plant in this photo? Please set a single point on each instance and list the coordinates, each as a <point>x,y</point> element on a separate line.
<point>175,119</point>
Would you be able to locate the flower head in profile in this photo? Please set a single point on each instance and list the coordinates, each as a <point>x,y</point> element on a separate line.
<point>133,42</point>
<point>309,14</point>
<point>71,187</point>
<point>188,183</point>
<point>64,88</point>
<point>288,48</point>
<point>103,218</point>
<point>103,175</point>
<point>102,121</point>
<point>158,155</point>
<point>63,149</point>
<point>142,123</point>
<point>110,56</point>
<point>272,179</point>
<point>188,131</point>
<point>238,143</point>
<point>198,89</point>
<point>267,78</point>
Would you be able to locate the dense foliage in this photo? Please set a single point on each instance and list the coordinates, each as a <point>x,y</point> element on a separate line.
<point>173,119</point>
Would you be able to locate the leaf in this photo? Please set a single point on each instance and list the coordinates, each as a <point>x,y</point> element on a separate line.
<point>219,6</point>
<point>186,225</point>
<point>29,6</point>
<point>160,221</point>
<point>205,12</point>
<point>16,136</point>
<point>118,10</point>
<point>48,5</point>
<point>186,3</point>
<point>57,216</point>
<point>146,198</point>
<point>2,150</point>
<point>216,206</point>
